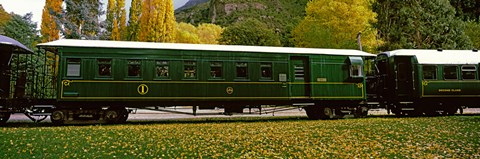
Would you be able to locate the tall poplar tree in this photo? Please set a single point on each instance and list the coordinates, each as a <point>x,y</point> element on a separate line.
<point>111,14</point>
<point>49,28</point>
<point>133,23</point>
<point>122,19</point>
<point>157,21</point>
<point>116,20</point>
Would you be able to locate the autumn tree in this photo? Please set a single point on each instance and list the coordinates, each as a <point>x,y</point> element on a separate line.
<point>133,27</point>
<point>116,20</point>
<point>209,33</point>
<point>186,33</point>
<point>420,24</point>
<point>48,28</point>
<point>250,32</point>
<point>157,21</point>
<point>4,18</point>
<point>203,34</point>
<point>336,24</point>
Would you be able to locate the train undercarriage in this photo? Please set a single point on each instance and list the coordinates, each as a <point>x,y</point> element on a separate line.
<point>98,112</point>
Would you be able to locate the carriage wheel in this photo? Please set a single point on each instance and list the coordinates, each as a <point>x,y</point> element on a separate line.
<point>57,117</point>
<point>112,116</point>
<point>4,117</point>
<point>327,113</point>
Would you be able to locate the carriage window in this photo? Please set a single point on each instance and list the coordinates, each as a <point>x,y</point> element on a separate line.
<point>242,70</point>
<point>190,69</point>
<point>216,69</point>
<point>134,68</point>
<point>468,72</point>
<point>266,70</point>
<point>104,67</point>
<point>356,71</point>
<point>450,72</point>
<point>356,66</point>
<point>73,67</point>
<point>430,72</point>
<point>162,69</point>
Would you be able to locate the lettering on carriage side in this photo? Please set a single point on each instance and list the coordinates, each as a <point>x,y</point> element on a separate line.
<point>449,90</point>
<point>142,89</point>
<point>229,90</point>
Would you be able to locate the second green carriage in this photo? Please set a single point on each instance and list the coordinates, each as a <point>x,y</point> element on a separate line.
<point>428,81</point>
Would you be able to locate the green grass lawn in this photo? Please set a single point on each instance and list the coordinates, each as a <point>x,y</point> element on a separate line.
<point>267,137</point>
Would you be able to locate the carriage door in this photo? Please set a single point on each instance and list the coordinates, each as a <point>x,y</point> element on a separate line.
<point>300,87</point>
<point>404,76</point>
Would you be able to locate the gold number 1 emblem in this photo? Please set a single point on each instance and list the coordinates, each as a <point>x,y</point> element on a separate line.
<point>229,90</point>
<point>142,89</point>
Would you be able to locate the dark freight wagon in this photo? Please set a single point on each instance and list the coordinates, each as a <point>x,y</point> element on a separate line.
<point>428,82</point>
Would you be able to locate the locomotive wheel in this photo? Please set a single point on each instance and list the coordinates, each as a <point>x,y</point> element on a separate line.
<point>313,112</point>
<point>57,117</point>
<point>4,117</point>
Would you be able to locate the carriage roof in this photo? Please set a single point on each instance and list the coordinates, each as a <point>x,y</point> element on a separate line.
<point>201,47</point>
<point>17,46</point>
<point>439,56</point>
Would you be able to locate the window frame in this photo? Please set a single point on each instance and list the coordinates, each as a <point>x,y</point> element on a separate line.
<point>268,65</point>
<point>474,70</point>
<point>98,62</point>
<point>355,66</point>
<point>68,64</point>
<point>193,64</point>
<point>359,71</point>
<point>216,64</point>
<point>139,68</point>
<point>162,64</point>
<point>444,72</point>
<point>237,66</point>
<point>435,71</point>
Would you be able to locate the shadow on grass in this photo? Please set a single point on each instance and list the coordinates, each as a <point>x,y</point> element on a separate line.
<point>207,120</point>
<point>168,121</point>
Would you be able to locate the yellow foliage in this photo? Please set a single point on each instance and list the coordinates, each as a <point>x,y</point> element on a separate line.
<point>203,34</point>
<point>116,15</point>
<point>48,28</point>
<point>209,33</point>
<point>133,28</point>
<point>275,137</point>
<point>157,21</point>
<point>335,24</point>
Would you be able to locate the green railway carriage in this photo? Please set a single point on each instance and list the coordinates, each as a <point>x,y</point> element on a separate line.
<point>94,74</point>
<point>428,81</point>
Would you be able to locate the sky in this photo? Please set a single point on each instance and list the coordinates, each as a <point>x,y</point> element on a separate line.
<point>23,7</point>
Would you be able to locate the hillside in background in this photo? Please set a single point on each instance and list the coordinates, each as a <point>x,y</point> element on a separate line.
<point>280,15</point>
<point>190,4</point>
